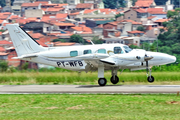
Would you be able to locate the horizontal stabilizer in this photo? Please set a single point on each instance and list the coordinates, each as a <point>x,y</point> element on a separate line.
<point>25,56</point>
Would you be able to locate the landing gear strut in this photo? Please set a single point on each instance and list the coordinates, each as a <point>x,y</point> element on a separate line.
<point>150,78</point>
<point>102,81</point>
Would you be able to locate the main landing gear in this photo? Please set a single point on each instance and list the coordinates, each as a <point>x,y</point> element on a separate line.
<point>115,79</point>
<point>102,81</point>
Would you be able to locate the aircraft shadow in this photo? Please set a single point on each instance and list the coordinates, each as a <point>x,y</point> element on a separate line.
<point>91,86</point>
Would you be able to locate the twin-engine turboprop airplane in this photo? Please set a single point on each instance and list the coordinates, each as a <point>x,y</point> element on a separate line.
<point>87,57</point>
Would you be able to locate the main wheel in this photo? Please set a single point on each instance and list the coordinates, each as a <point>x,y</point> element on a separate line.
<point>150,79</point>
<point>102,81</point>
<point>114,81</point>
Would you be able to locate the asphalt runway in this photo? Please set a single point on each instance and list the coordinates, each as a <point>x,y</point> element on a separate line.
<point>87,89</point>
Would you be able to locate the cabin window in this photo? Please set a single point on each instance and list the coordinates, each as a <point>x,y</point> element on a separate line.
<point>102,51</point>
<point>127,49</point>
<point>73,53</point>
<point>118,50</point>
<point>87,51</point>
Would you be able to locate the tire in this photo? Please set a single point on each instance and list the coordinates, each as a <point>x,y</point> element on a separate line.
<point>150,79</point>
<point>115,81</point>
<point>102,81</point>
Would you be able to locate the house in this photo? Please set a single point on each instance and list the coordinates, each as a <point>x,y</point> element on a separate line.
<point>16,9</point>
<point>13,18</point>
<point>113,40</point>
<point>2,49</point>
<point>136,14</point>
<point>107,14</point>
<point>80,30</point>
<point>36,36</point>
<point>47,39</point>
<point>158,12</point>
<point>5,44</point>
<point>38,27</point>
<point>73,15</point>
<point>41,43</point>
<point>61,16</point>
<point>73,2</point>
<point>45,6</point>
<point>36,13</point>
<point>54,10</point>
<point>31,6</point>
<point>97,3</point>
<point>20,2</point>
<point>12,53</point>
<point>96,22</point>
<point>83,6</point>
<point>5,15</point>
<point>160,21</point>
<point>3,56</point>
<point>63,26</point>
<point>135,33</point>
<point>58,44</point>
<point>132,41</point>
<point>110,30</point>
<point>145,4</point>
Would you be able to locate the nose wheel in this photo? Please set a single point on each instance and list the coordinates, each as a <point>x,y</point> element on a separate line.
<point>114,79</point>
<point>150,79</point>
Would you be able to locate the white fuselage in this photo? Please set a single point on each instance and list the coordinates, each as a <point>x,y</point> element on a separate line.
<point>87,57</point>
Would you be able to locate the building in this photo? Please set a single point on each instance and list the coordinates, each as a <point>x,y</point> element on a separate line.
<point>73,2</point>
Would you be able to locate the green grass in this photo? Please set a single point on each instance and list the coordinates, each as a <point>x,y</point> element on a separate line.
<point>83,78</point>
<point>90,107</point>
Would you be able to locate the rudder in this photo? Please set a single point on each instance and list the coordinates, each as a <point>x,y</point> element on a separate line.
<point>23,42</point>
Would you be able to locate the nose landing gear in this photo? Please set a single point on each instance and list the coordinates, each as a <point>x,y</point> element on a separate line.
<point>150,78</point>
<point>114,79</point>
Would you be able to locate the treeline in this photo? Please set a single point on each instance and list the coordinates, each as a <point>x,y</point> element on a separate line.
<point>169,38</point>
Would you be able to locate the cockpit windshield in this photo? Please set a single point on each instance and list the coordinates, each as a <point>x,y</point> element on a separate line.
<point>127,49</point>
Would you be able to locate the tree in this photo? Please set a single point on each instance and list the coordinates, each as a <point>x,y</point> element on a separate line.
<point>160,2</point>
<point>58,40</point>
<point>119,15</point>
<point>2,3</point>
<point>114,3</point>
<point>133,2</point>
<point>96,40</point>
<point>3,66</point>
<point>170,38</point>
<point>134,46</point>
<point>12,1</point>
<point>141,28</point>
<point>77,38</point>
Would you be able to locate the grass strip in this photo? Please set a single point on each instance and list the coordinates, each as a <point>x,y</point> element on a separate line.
<point>81,78</point>
<point>90,107</point>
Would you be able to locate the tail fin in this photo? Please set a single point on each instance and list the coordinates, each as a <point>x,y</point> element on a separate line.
<point>23,42</point>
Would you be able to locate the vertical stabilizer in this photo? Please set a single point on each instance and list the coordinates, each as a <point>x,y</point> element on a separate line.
<point>23,42</point>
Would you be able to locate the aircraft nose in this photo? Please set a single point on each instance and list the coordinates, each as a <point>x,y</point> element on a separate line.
<point>172,59</point>
<point>161,58</point>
